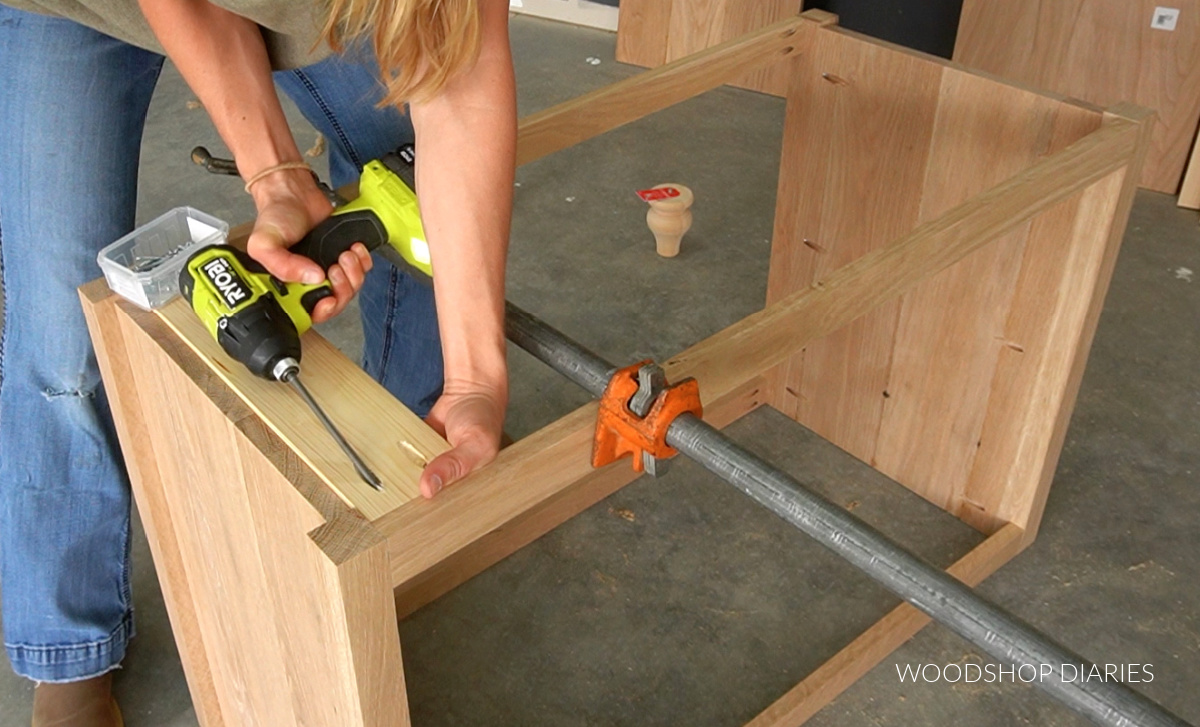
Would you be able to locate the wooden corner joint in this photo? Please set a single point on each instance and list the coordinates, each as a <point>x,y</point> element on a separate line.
<point>822,18</point>
<point>1129,112</point>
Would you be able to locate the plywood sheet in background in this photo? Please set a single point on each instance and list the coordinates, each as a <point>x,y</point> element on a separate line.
<point>1102,51</point>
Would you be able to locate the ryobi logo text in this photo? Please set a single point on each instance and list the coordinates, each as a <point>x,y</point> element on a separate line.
<point>231,286</point>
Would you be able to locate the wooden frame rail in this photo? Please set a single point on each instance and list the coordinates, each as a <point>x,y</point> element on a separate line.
<point>605,109</point>
<point>773,334</point>
<point>1003,262</point>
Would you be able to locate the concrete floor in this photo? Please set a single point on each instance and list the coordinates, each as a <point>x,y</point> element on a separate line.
<point>679,602</point>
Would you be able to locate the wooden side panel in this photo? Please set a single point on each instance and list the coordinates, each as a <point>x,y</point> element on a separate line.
<point>292,635</point>
<point>1102,51</point>
<point>220,552</point>
<point>330,617</point>
<point>1052,323</point>
<point>951,328</point>
<point>653,32</point>
<point>857,132</point>
<point>868,155</point>
<point>1034,356</point>
<point>141,461</point>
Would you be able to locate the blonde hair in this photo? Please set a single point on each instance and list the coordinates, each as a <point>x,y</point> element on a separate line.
<point>420,44</point>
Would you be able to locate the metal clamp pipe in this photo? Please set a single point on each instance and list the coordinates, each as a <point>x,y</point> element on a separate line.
<point>557,351</point>
<point>932,590</point>
<point>945,599</point>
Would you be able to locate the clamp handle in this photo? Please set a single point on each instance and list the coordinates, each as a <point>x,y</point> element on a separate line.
<point>212,164</point>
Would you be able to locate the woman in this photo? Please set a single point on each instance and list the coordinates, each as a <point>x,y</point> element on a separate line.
<point>76,81</point>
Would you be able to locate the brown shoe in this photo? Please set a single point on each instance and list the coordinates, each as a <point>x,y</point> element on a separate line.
<point>87,703</point>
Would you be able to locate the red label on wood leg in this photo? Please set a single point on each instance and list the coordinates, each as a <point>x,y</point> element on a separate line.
<point>650,195</point>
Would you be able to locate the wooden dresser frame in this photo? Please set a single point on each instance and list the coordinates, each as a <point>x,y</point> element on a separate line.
<point>943,243</point>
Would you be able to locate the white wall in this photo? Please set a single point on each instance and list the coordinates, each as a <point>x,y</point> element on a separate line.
<point>578,12</point>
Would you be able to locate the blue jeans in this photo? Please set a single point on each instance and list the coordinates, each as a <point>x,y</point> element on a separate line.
<point>72,108</point>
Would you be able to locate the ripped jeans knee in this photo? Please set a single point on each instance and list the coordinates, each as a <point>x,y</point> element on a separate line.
<point>78,393</point>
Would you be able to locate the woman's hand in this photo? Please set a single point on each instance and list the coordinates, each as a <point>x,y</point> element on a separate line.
<point>289,205</point>
<point>224,60</point>
<point>470,416</point>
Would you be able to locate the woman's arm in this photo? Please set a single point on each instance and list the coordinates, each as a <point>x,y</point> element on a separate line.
<point>466,138</point>
<point>223,58</point>
<point>466,147</point>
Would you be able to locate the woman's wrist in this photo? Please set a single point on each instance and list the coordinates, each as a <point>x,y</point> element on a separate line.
<point>297,182</point>
<point>276,169</point>
<point>476,367</point>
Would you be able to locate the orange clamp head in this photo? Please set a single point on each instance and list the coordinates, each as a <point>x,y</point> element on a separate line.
<point>619,431</point>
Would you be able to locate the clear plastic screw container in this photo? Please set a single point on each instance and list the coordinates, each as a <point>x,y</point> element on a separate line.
<point>143,266</point>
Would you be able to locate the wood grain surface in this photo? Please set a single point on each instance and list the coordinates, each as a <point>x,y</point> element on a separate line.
<point>973,222</point>
<point>1102,51</point>
<point>393,441</point>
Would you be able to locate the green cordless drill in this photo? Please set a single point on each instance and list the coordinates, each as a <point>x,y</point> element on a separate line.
<point>384,217</point>
<point>258,319</point>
